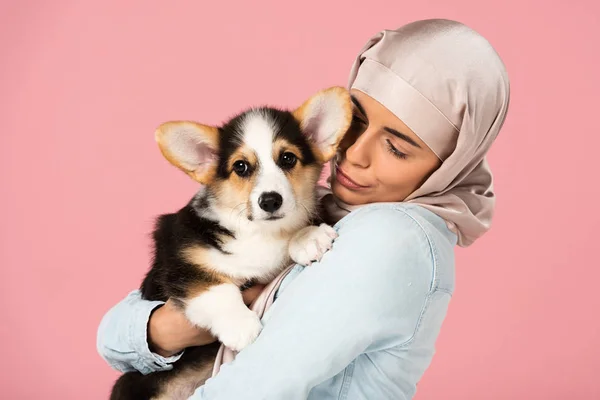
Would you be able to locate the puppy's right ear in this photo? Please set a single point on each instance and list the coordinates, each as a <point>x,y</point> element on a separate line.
<point>191,147</point>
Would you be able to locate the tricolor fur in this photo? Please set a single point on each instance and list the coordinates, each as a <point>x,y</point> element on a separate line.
<point>259,172</point>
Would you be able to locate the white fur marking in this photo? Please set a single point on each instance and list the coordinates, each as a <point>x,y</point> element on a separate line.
<point>222,310</point>
<point>311,243</point>
<point>253,255</point>
<point>259,133</point>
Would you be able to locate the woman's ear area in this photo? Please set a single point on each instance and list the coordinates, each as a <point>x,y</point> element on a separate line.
<point>325,118</point>
<point>191,147</point>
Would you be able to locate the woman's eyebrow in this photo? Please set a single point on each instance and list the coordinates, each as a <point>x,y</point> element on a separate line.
<point>394,132</point>
<point>358,105</point>
<point>402,136</point>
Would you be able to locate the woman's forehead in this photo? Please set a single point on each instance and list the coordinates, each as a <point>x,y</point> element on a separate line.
<point>380,116</point>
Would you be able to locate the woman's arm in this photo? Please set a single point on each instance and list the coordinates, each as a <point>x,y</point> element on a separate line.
<point>122,338</point>
<point>366,294</point>
<point>149,336</point>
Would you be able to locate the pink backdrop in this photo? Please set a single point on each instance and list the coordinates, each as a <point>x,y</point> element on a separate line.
<point>83,86</point>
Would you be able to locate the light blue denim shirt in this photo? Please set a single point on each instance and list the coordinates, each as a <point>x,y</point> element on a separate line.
<point>360,324</point>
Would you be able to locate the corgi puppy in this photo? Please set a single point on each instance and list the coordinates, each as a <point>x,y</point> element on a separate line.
<point>255,213</point>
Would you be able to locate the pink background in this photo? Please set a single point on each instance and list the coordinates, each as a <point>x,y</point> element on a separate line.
<point>83,86</point>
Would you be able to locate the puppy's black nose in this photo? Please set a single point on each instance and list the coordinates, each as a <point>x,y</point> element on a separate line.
<point>270,201</point>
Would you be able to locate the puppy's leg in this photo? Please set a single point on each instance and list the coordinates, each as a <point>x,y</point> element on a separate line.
<point>221,309</point>
<point>311,243</point>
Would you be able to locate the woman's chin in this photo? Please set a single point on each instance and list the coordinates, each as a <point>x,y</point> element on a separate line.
<point>347,196</point>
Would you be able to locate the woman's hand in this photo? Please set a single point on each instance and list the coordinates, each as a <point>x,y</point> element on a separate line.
<point>169,331</point>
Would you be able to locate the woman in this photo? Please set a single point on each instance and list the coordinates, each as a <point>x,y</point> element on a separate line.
<point>410,182</point>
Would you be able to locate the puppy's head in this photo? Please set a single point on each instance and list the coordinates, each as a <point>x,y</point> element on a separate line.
<point>263,164</point>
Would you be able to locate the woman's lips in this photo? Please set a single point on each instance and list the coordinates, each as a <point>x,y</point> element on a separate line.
<point>346,181</point>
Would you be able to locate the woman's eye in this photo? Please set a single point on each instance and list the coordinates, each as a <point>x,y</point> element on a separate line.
<point>395,152</point>
<point>242,168</point>
<point>358,120</point>
<point>288,160</point>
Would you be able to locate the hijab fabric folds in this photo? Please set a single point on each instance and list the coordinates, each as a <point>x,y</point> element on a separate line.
<point>449,86</point>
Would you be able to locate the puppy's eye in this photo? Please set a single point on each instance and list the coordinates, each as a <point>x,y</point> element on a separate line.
<point>288,160</point>
<point>241,168</point>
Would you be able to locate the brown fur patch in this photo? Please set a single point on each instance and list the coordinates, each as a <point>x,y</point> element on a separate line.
<point>197,255</point>
<point>234,192</point>
<point>244,153</point>
<point>203,174</point>
<point>302,178</point>
<point>281,145</point>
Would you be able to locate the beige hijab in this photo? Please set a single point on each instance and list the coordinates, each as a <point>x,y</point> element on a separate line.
<point>449,86</point>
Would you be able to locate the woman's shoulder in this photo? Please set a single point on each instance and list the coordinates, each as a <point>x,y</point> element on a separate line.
<point>403,216</point>
<point>410,233</point>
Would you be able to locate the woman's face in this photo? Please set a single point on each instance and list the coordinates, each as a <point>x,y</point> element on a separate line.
<point>382,160</point>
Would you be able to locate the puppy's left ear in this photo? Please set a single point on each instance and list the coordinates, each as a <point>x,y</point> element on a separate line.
<point>325,118</point>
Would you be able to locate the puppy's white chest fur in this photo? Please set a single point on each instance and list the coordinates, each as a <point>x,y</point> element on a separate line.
<point>251,255</point>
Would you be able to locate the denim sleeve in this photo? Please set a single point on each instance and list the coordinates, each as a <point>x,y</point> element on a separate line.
<point>122,340</point>
<point>366,294</point>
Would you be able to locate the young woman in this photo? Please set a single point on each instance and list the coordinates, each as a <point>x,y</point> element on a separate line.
<point>410,183</point>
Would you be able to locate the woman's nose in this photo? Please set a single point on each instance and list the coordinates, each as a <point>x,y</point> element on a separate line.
<point>358,153</point>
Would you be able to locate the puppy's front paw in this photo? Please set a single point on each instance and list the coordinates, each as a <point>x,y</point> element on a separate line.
<point>238,331</point>
<point>310,243</point>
